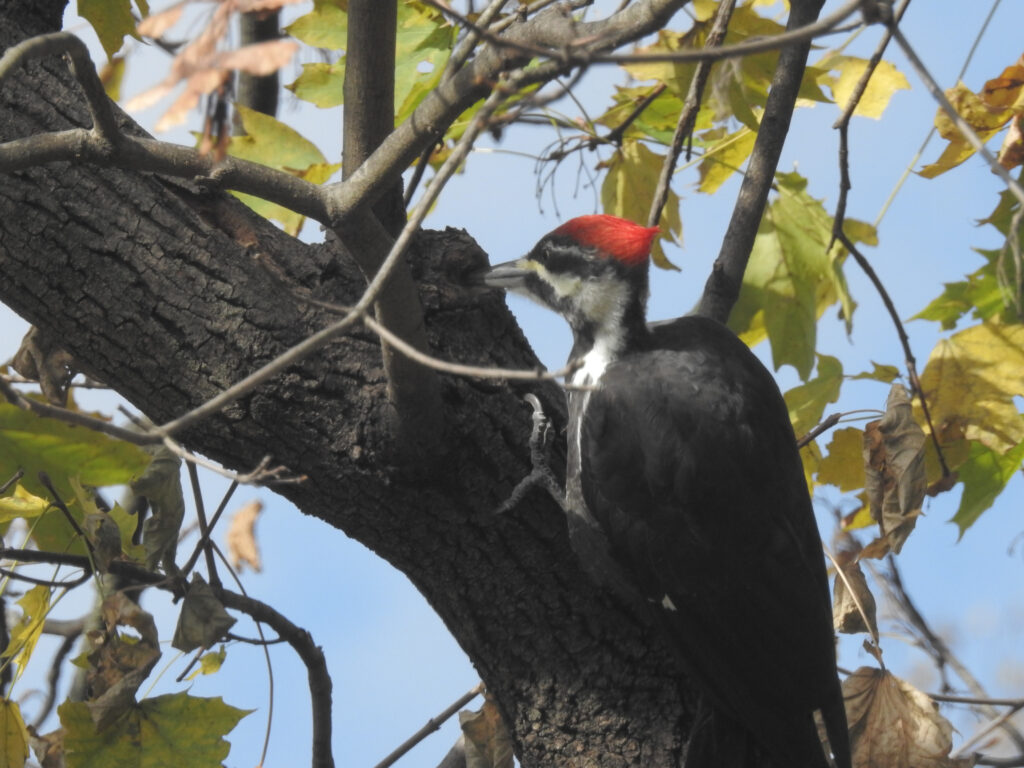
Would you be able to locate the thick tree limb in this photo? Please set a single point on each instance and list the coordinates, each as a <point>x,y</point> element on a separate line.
<point>723,286</point>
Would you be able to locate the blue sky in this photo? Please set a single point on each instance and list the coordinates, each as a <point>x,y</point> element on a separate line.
<point>394,664</point>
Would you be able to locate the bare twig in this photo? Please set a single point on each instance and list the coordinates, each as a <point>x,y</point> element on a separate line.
<point>962,125</point>
<point>936,647</point>
<point>468,43</point>
<point>58,502</point>
<point>53,677</point>
<point>826,424</point>
<point>202,544</point>
<point>204,526</point>
<point>431,725</point>
<point>911,362</point>
<point>14,478</point>
<point>688,114</point>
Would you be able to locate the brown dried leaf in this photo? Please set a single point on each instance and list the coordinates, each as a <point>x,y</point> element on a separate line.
<point>39,358</point>
<point>846,615</point>
<point>894,469</point>
<point>241,539</point>
<point>156,24</point>
<point>259,58</point>
<point>119,664</point>
<point>893,724</point>
<point>1011,154</point>
<point>48,747</point>
<point>488,741</point>
<point>203,620</point>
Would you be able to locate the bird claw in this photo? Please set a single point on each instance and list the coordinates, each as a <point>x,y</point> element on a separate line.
<point>540,452</point>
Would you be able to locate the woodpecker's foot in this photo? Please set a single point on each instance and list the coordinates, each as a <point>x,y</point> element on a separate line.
<point>540,459</point>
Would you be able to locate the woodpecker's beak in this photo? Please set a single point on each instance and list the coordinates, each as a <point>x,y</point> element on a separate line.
<point>508,276</point>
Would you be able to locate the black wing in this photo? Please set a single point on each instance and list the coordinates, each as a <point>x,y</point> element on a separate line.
<point>703,498</point>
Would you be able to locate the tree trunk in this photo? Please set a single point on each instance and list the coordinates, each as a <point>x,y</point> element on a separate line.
<point>170,292</point>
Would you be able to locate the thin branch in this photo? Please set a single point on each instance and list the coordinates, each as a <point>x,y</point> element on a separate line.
<point>202,544</point>
<point>12,574</point>
<point>936,647</point>
<point>826,424</point>
<point>55,44</point>
<point>794,36</point>
<point>58,502</point>
<point>204,527</point>
<point>842,124</point>
<point>305,348</point>
<point>14,478</point>
<point>53,677</point>
<point>911,362</point>
<point>723,286</point>
<point>465,47</point>
<point>962,125</point>
<point>690,110</point>
<point>432,725</point>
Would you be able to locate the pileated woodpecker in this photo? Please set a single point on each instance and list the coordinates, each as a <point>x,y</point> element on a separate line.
<point>684,481</point>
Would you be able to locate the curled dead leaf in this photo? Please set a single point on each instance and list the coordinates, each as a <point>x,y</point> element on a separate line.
<point>893,724</point>
<point>894,471</point>
<point>41,359</point>
<point>241,538</point>
<point>487,739</point>
<point>853,605</point>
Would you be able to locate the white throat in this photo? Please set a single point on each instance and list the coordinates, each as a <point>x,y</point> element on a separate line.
<point>607,347</point>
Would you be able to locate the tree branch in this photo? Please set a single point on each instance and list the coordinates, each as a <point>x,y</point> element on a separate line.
<point>723,286</point>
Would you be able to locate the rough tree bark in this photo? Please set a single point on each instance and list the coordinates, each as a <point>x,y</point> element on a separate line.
<point>171,291</point>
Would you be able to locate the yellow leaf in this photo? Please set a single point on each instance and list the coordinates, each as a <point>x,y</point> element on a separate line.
<point>628,191</point>
<point>35,604</point>
<point>884,82</point>
<point>844,465</point>
<point>21,503</point>
<point>13,735</point>
<point>970,382</point>
<point>724,158</point>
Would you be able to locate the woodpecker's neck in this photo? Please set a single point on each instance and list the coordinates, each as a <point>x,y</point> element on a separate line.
<point>602,337</point>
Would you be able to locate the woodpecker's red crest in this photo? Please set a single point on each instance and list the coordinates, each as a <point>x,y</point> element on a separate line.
<point>620,239</point>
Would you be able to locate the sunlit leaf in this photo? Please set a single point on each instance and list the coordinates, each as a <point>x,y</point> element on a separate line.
<point>628,191</point>
<point>884,82</point>
<point>791,277</point>
<point>984,475</point>
<point>883,373</point>
<point>724,158</point>
<point>844,465</point>
<point>986,119</point>
<point>35,605</point>
<point>176,729</point>
<point>112,20</point>
<point>13,735</point>
<point>37,444</point>
<point>321,84</point>
<point>806,402</point>
<point>112,75</point>
<point>970,382</point>
<point>210,663</point>
<point>326,26</point>
<point>270,142</point>
<point>422,44</point>
<point>21,503</point>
